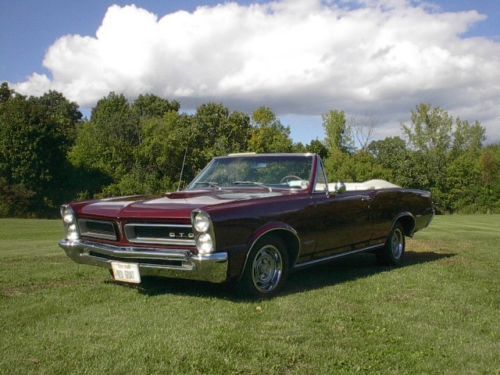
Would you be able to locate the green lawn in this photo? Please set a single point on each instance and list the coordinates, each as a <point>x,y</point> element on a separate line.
<point>440,313</point>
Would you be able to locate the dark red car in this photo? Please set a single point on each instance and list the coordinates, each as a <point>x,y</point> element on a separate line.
<point>248,219</point>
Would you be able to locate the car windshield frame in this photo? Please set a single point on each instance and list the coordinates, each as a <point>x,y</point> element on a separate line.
<point>255,161</point>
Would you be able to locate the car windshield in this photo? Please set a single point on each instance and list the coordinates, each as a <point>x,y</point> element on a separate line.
<point>269,171</point>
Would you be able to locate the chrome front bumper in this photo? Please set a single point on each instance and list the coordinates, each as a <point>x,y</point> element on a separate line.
<point>181,264</point>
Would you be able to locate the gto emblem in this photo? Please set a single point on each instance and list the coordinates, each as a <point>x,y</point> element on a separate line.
<point>181,235</point>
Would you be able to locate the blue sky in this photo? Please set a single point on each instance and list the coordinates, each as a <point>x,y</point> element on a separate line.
<point>30,27</point>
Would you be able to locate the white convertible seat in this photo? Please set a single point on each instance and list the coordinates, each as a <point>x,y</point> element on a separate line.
<point>367,185</point>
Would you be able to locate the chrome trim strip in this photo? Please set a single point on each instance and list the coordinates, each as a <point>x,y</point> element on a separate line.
<point>158,225</point>
<point>134,252</point>
<point>98,235</point>
<point>89,233</point>
<point>307,154</point>
<point>211,267</point>
<point>162,241</point>
<point>319,163</point>
<point>326,259</point>
<point>192,184</point>
<point>157,240</point>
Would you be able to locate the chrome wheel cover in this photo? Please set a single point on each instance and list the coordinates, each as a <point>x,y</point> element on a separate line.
<point>267,268</point>
<point>397,243</point>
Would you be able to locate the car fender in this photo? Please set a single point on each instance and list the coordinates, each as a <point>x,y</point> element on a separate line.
<point>406,214</point>
<point>269,228</point>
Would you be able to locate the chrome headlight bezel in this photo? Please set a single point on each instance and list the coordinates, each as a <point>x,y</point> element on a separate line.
<point>203,230</point>
<point>204,243</point>
<point>70,223</point>
<point>201,222</point>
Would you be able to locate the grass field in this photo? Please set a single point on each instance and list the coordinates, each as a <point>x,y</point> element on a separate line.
<point>440,313</point>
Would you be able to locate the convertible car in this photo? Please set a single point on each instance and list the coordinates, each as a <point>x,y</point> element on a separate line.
<point>248,220</point>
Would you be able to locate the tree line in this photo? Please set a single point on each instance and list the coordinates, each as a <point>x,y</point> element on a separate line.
<point>50,154</point>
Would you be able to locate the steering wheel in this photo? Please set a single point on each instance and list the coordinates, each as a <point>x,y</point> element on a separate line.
<point>290,177</point>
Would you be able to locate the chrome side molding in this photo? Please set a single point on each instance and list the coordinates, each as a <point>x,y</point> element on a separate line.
<point>335,256</point>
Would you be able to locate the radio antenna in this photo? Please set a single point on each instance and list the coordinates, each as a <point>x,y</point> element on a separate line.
<point>182,169</point>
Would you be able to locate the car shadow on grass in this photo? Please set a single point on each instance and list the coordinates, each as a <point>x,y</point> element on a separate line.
<point>341,270</point>
<point>351,268</point>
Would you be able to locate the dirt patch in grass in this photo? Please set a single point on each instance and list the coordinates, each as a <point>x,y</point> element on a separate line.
<point>437,245</point>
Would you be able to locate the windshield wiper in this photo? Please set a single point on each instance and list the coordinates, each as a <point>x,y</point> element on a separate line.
<point>260,184</point>
<point>212,184</point>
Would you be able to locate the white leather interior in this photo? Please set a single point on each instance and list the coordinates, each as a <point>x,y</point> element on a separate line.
<point>367,185</point>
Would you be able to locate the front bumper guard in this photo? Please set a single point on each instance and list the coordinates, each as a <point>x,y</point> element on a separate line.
<point>182,264</point>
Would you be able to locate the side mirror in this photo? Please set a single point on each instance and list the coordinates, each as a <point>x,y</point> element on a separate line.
<point>339,187</point>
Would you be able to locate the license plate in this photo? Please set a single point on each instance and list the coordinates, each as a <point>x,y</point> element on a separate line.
<point>127,272</point>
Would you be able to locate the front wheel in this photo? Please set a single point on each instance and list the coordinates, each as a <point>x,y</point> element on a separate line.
<point>266,269</point>
<point>394,249</point>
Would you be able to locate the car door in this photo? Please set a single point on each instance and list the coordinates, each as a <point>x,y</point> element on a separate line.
<point>339,221</point>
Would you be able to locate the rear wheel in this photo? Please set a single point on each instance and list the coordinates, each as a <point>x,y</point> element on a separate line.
<point>394,249</point>
<point>266,270</point>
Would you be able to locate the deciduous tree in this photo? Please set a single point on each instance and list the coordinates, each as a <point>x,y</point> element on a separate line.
<point>268,134</point>
<point>35,136</point>
<point>338,133</point>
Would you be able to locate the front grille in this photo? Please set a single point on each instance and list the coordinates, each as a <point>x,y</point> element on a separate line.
<point>97,229</point>
<point>168,234</point>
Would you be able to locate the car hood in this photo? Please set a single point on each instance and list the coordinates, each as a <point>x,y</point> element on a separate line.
<point>176,205</point>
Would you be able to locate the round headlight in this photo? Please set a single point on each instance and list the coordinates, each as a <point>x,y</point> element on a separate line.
<point>201,222</point>
<point>72,236</point>
<point>69,220</point>
<point>68,217</point>
<point>204,243</point>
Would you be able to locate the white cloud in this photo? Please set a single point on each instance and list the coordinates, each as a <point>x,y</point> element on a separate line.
<point>372,57</point>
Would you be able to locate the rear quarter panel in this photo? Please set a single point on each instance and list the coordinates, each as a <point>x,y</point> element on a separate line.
<point>389,204</point>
